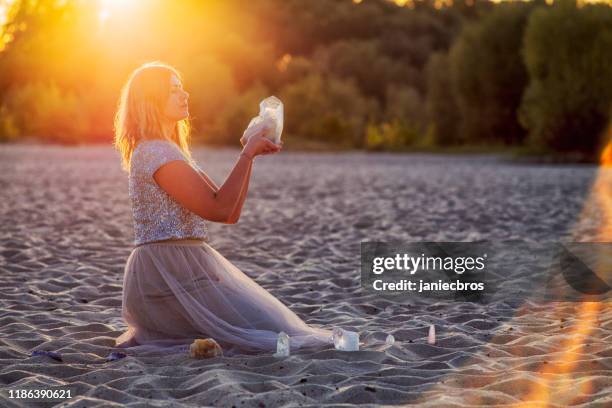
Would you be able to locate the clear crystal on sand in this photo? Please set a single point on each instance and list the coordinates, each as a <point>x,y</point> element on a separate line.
<point>431,338</point>
<point>390,340</point>
<point>337,337</point>
<point>282,345</point>
<point>345,340</point>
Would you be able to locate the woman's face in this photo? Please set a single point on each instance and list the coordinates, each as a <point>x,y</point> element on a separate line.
<point>176,105</point>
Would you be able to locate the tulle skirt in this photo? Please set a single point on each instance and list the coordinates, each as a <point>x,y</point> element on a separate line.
<point>177,291</point>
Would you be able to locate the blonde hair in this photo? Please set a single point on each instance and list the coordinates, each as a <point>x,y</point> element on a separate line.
<point>139,111</point>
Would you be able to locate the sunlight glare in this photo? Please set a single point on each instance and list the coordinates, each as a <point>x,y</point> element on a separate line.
<point>108,8</point>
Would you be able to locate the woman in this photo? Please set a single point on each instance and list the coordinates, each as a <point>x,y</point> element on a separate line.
<point>177,287</point>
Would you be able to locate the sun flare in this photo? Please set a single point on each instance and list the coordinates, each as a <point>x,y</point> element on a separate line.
<point>109,8</point>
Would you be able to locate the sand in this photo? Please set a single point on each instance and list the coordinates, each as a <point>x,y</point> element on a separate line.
<point>67,231</point>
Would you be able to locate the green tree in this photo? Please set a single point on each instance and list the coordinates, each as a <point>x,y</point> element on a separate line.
<point>44,110</point>
<point>489,76</point>
<point>441,107</point>
<point>327,109</point>
<point>365,63</point>
<point>569,59</point>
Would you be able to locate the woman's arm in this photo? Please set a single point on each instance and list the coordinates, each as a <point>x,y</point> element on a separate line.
<point>245,187</point>
<point>210,182</point>
<point>231,192</point>
<point>187,187</point>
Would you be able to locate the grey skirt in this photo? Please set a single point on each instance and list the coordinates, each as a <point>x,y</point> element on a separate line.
<point>177,291</point>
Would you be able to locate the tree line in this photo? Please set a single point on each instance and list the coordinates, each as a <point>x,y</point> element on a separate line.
<point>369,75</point>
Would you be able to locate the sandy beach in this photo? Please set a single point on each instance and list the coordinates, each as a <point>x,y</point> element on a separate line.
<point>67,232</point>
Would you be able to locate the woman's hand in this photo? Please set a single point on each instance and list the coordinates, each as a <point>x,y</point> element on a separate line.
<point>262,128</point>
<point>255,143</point>
<point>259,145</point>
<point>277,148</point>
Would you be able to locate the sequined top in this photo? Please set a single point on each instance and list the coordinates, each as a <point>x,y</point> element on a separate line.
<point>156,215</point>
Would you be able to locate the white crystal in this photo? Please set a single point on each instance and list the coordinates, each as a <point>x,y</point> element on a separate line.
<point>271,112</point>
<point>431,338</point>
<point>337,337</point>
<point>282,345</point>
<point>345,340</point>
<point>390,340</point>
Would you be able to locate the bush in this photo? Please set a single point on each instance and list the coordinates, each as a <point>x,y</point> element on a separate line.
<point>327,109</point>
<point>394,135</point>
<point>43,110</point>
<point>8,126</point>
<point>405,104</point>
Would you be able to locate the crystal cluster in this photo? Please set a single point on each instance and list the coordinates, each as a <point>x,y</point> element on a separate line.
<point>271,115</point>
<point>345,340</point>
<point>431,338</point>
<point>282,345</point>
